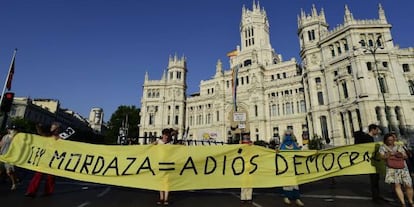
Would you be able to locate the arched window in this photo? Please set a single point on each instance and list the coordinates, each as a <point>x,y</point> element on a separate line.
<point>324,127</point>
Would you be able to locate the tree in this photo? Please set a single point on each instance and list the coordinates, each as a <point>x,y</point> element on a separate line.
<point>129,114</point>
<point>24,125</point>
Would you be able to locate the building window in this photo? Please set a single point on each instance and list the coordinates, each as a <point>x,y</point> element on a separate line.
<point>302,106</point>
<point>318,80</point>
<point>411,86</point>
<point>179,75</point>
<point>256,110</point>
<point>382,84</point>
<point>171,75</point>
<point>385,64</point>
<point>346,47</point>
<point>362,42</point>
<point>349,69</point>
<point>332,50</point>
<point>345,89</point>
<point>324,127</point>
<point>151,119</point>
<point>370,43</point>
<point>320,98</point>
<point>311,35</point>
<point>406,68</point>
<point>273,110</point>
<point>208,119</point>
<point>289,109</point>
<point>338,48</point>
<point>369,66</point>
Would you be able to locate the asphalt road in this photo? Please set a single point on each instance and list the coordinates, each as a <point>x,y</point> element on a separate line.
<point>346,191</point>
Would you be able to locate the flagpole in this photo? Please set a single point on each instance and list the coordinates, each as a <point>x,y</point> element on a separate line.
<point>5,114</point>
<point>8,75</point>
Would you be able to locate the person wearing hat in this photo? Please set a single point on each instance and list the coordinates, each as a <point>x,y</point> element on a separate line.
<point>290,192</point>
<point>4,147</point>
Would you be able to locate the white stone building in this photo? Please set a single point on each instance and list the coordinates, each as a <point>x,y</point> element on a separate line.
<point>336,90</point>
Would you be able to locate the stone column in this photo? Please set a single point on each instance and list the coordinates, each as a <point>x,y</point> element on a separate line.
<point>383,119</point>
<point>393,120</point>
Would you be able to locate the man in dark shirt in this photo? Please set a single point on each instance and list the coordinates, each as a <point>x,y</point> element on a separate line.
<point>361,137</point>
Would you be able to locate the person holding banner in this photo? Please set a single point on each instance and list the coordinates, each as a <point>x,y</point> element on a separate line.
<point>397,176</point>
<point>165,139</point>
<point>290,192</point>
<point>246,193</point>
<point>4,147</point>
<point>360,138</point>
<point>45,131</point>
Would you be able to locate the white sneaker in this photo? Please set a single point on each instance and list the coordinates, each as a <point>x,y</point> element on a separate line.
<point>286,200</point>
<point>299,202</point>
<point>13,187</point>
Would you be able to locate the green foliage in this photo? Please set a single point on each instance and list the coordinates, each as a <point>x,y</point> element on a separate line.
<point>24,125</point>
<point>316,143</point>
<point>117,118</point>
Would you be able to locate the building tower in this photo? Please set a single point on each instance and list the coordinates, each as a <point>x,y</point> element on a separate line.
<point>96,117</point>
<point>311,28</point>
<point>163,101</point>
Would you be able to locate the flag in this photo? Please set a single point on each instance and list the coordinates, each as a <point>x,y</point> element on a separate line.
<point>234,86</point>
<point>232,53</point>
<point>11,73</point>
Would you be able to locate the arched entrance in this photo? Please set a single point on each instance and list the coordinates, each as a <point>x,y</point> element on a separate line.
<point>237,128</point>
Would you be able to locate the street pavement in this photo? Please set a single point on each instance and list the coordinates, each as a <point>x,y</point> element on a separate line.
<point>343,191</point>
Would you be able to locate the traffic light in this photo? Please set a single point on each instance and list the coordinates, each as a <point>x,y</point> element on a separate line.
<point>7,102</point>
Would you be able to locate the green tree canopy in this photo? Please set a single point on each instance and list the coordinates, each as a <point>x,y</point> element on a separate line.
<point>129,114</point>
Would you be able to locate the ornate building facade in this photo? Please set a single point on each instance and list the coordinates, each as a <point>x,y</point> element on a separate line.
<point>349,77</point>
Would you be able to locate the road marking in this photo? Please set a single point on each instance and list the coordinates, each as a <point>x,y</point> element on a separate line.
<point>337,196</point>
<point>327,197</point>
<point>79,183</point>
<point>84,204</point>
<point>253,203</point>
<point>104,192</point>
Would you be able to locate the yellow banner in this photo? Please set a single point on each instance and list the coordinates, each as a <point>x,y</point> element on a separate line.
<point>176,167</point>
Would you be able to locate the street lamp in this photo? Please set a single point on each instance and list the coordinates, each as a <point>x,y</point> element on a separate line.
<point>372,48</point>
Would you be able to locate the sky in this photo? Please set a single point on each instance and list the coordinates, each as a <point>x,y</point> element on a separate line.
<point>94,53</point>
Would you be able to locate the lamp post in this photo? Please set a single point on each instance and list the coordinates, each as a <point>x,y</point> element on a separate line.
<point>372,48</point>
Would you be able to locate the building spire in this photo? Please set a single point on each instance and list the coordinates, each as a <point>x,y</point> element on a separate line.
<point>164,75</point>
<point>348,15</point>
<point>314,12</point>
<point>219,68</point>
<point>381,13</point>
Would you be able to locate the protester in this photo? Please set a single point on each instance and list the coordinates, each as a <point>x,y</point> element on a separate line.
<point>45,131</point>
<point>397,176</point>
<point>4,147</point>
<point>246,193</point>
<point>165,139</point>
<point>290,192</point>
<point>409,160</point>
<point>361,137</point>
